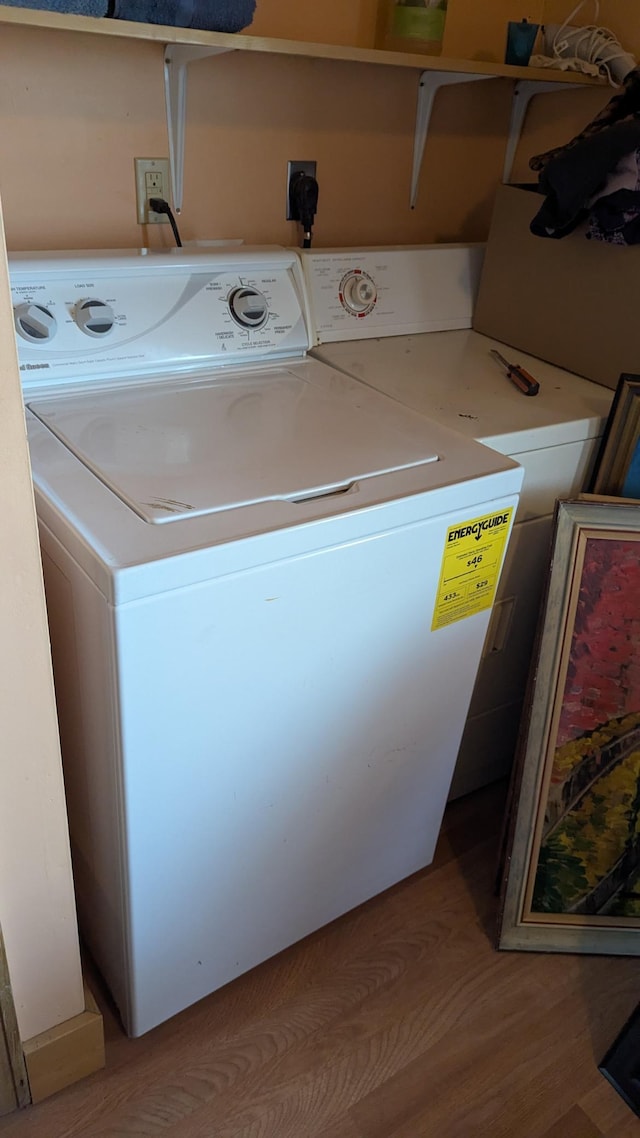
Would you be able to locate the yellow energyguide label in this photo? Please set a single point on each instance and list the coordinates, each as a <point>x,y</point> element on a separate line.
<point>471,563</point>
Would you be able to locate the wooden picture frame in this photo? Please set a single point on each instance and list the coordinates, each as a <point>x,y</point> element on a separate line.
<point>617,469</point>
<point>571,872</point>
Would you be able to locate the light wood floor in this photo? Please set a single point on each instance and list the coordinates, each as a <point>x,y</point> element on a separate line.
<point>398,1021</point>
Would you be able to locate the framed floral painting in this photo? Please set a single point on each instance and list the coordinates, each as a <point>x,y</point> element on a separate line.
<point>571,874</point>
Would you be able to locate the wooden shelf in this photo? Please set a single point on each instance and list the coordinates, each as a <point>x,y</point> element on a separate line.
<point>221,42</point>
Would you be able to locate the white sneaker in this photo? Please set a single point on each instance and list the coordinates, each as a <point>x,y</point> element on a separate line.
<point>592,44</point>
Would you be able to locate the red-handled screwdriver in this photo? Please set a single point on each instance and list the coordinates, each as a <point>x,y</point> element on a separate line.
<point>523,381</point>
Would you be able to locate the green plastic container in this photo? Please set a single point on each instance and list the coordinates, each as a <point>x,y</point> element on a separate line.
<point>418,22</point>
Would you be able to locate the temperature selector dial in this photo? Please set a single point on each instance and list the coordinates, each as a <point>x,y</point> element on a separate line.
<point>358,293</point>
<point>94,317</point>
<point>248,307</point>
<point>34,322</point>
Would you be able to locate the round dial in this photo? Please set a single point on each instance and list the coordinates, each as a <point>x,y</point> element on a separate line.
<point>358,293</point>
<point>34,322</point>
<point>94,317</point>
<point>248,307</point>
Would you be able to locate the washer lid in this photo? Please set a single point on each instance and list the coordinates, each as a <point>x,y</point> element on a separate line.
<point>172,452</point>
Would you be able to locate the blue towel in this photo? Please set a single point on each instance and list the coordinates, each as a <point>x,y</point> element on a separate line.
<point>76,7</point>
<point>206,15</point>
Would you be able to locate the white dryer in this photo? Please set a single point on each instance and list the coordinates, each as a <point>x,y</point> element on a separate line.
<point>400,321</point>
<point>262,667</point>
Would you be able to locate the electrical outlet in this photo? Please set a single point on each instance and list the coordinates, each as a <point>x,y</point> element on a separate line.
<point>297,168</point>
<point>152,181</point>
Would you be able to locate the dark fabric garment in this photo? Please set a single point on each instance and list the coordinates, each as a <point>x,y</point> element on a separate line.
<point>572,180</point>
<point>624,177</point>
<point>624,105</point>
<point>206,15</point>
<point>616,218</point>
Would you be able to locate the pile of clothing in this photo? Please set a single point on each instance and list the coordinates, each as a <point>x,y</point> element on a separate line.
<point>595,178</point>
<point>205,15</point>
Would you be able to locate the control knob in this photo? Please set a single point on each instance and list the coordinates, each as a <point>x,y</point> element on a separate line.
<point>248,307</point>
<point>359,292</point>
<point>34,322</point>
<point>94,317</point>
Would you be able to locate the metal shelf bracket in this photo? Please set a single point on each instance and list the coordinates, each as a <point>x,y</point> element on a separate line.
<point>428,86</point>
<point>523,93</point>
<point>177,58</point>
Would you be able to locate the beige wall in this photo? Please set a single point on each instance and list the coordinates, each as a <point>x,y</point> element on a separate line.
<point>75,110</point>
<point>478,30</point>
<point>37,910</point>
<point>351,22</point>
<point>75,113</point>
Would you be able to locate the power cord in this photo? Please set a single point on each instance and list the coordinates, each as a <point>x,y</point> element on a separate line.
<point>159,205</point>
<point>303,201</point>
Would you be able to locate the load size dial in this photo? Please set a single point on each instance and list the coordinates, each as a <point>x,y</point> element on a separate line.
<point>94,317</point>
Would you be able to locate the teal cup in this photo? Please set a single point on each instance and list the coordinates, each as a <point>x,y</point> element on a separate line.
<point>521,37</point>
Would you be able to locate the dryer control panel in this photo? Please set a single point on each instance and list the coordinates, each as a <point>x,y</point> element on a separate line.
<point>356,294</point>
<point>95,316</point>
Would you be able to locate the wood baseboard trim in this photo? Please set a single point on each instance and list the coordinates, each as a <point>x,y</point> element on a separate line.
<point>61,1056</point>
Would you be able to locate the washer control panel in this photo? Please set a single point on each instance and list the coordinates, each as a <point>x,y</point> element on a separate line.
<point>87,316</point>
<point>360,293</point>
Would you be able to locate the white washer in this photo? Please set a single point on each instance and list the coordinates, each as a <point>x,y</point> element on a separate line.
<point>242,550</point>
<point>400,321</point>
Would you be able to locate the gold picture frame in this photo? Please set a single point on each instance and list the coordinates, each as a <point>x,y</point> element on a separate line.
<point>572,846</point>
